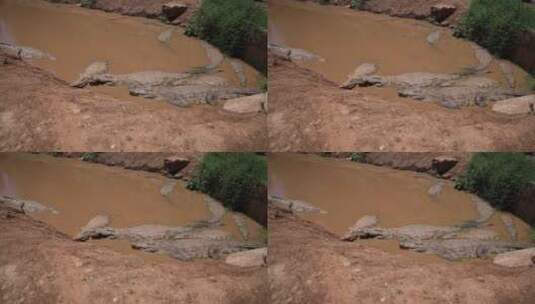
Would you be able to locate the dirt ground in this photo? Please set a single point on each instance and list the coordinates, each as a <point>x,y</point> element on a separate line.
<point>310,265</point>
<point>42,113</point>
<point>310,113</point>
<point>41,265</point>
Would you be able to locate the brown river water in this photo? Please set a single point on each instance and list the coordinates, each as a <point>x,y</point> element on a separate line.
<point>76,37</point>
<point>349,190</point>
<point>79,191</point>
<point>346,38</point>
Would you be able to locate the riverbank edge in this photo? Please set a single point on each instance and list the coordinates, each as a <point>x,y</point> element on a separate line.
<point>179,166</point>
<point>448,166</point>
<point>521,55</point>
<point>255,52</point>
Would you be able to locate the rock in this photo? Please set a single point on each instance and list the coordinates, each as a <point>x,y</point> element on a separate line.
<point>25,206</point>
<point>248,258</point>
<point>484,209</point>
<point>364,222</point>
<point>442,164</point>
<point>246,105</point>
<point>509,225</point>
<point>237,66</point>
<point>435,190</point>
<point>92,71</point>
<point>450,104</point>
<point>168,187</point>
<point>174,164</point>
<point>216,209</point>
<point>433,37</point>
<point>517,105</point>
<point>482,55</point>
<point>165,36</point>
<point>355,78</point>
<point>518,258</point>
<point>295,205</point>
<point>441,12</point>
<point>173,10</point>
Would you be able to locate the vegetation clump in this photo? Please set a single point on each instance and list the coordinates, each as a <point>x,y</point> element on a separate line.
<point>496,24</point>
<point>87,3</point>
<point>357,157</point>
<point>357,4</point>
<point>228,24</point>
<point>498,177</point>
<point>232,178</point>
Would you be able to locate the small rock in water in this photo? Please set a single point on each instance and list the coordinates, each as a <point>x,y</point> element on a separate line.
<point>433,37</point>
<point>436,189</point>
<point>164,37</point>
<point>168,188</point>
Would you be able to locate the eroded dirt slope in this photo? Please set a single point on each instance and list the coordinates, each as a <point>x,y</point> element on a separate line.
<point>310,265</point>
<point>41,112</point>
<point>308,112</point>
<point>41,265</point>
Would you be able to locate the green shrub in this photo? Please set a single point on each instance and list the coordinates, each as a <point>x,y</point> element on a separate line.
<point>357,157</point>
<point>324,2</point>
<point>532,235</point>
<point>357,4</point>
<point>496,24</point>
<point>228,24</point>
<point>231,178</point>
<point>497,177</point>
<point>87,3</point>
<point>89,156</point>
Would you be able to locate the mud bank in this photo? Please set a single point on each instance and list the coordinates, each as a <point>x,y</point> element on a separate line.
<point>308,264</point>
<point>41,265</point>
<point>310,113</point>
<point>52,116</point>
<point>174,165</point>
<point>147,210</point>
<point>254,53</point>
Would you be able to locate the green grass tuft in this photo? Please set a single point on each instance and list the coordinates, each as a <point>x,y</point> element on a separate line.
<point>496,24</point>
<point>498,177</point>
<point>228,24</point>
<point>232,178</point>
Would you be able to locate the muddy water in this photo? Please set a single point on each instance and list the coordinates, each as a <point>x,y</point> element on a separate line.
<point>346,38</point>
<point>76,37</point>
<point>348,191</point>
<point>80,191</point>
